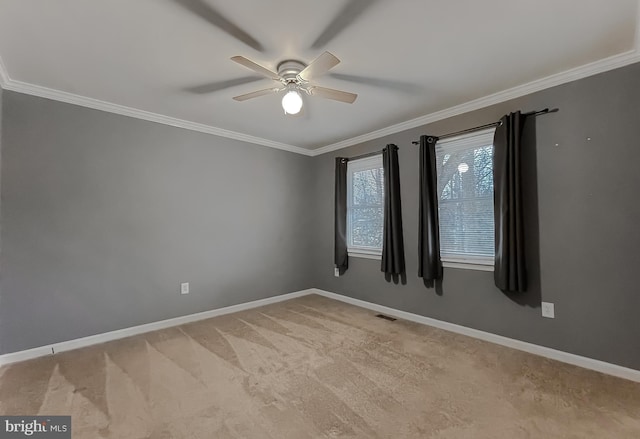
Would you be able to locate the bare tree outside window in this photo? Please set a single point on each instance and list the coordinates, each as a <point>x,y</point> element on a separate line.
<point>465,187</point>
<point>367,211</point>
<point>366,204</point>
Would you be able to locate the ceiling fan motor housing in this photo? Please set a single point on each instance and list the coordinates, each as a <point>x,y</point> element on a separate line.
<point>295,77</point>
<point>290,69</point>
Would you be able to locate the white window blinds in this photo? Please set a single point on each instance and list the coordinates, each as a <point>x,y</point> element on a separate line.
<point>365,205</point>
<point>465,188</point>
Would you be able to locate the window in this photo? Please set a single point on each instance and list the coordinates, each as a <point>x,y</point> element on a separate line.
<point>365,206</point>
<point>465,189</point>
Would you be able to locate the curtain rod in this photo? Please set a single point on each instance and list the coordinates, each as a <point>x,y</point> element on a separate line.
<point>362,156</point>
<point>490,125</point>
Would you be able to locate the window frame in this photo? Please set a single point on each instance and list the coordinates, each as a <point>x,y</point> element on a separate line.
<point>470,140</point>
<point>353,166</point>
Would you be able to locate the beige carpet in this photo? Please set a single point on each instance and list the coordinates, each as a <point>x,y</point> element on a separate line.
<point>312,368</point>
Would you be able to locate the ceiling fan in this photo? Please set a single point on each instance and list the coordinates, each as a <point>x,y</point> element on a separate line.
<point>294,78</point>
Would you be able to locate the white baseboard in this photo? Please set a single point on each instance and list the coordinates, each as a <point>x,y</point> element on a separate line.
<point>565,357</point>
<point>141,329</point>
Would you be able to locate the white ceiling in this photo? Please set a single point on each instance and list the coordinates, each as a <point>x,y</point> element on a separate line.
<point>420,57</point>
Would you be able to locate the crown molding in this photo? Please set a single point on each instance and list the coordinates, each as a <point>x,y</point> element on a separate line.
<point>70,98</point>
<point>574,74</point>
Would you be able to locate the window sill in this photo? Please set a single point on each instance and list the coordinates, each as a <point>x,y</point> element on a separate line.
<point>467,266</point>
<point>445,263</point>
<point>365,255</point>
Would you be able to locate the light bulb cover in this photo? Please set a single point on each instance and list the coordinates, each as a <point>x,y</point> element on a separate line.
<point>292,102</point>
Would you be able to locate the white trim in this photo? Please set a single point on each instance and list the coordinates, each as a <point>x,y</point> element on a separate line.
<point>4,75</point>
<point>467,259</point>
<point>353,166</point>
<point>637,42</point>
<point>594,68</point>
<point>565,357</point>
<point>463,143</point>
<point>467,266</point>
<point>374,161</point>
<point>363,255</point>
<point>603,65</point>
<point>476,138</point>
<point>96,104</point>
<point>141,329</point>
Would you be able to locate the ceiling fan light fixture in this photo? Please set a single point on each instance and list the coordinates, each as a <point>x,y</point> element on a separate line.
<point>293,78</point>
<point>292,102</point>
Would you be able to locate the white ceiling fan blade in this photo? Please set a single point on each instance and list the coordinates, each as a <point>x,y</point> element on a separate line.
<point>319,66</point>
<point>330,93</point>
<point>221,85</point>
<point>349,13</point>
<point>210,14</point>
<point>256,94</point>
<point>255,67</point>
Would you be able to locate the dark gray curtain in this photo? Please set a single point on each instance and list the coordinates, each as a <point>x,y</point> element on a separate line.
<point>429,263</point>
<point>510,271</point>
<point>341,258</point>
<point>392,243</point>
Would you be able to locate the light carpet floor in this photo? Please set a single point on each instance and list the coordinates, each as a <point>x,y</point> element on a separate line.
<point>317,368</point>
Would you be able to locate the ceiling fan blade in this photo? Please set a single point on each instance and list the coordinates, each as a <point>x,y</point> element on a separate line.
<point>330,93</point>
<point>256,94</point>
<point>401,86</point>
<point>347,15</point>
<point>211,15</point>
<point>319,66</point>
<point>221,85</point>
<point>255,67</point>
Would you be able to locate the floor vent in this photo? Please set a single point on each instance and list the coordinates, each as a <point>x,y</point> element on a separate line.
<point>382,316</point>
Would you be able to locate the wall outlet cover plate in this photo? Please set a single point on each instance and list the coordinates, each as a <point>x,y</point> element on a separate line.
<point>548,310</point>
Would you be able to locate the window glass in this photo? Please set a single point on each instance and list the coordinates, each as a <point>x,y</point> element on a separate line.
<point>465,189</point>
<point>365,205</point>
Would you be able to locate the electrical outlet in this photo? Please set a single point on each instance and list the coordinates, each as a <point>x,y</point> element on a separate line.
<point>336,272</point>
<point>184,288</point>
<point>548,310</point>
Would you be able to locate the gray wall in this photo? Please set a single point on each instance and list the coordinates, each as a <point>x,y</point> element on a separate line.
<point>103,216</point>
<point>1,98</point>
<point>586,215</point>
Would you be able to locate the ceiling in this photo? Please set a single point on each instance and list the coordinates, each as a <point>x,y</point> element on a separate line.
<point>406,59</point>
